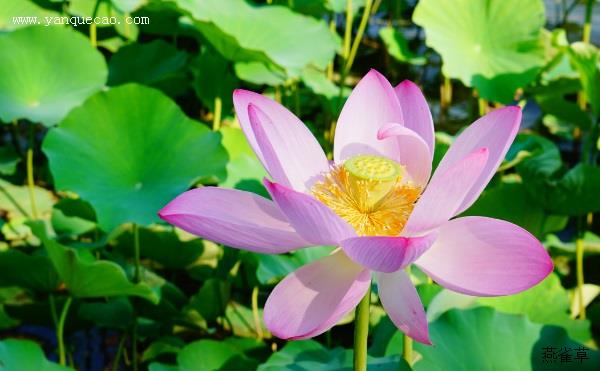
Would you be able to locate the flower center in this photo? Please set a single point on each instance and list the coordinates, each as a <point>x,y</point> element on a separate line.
<point>367,191</point>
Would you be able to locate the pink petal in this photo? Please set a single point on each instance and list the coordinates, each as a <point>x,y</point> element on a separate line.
<point>445,193</point>
<point>402,303</point>
<point>314,298</point>
<point>372,104</point>
<point>292,145</point>
<point>233,218</point>
<point>416,113</point>
<point>485,257</point>
<point>494,131</point>
<point>411,151</point>
<point>314,221</point>
<point>386,254</point>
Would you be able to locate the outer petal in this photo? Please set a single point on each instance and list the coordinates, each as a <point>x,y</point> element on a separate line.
<point>445,193</point>
<point>314,298</point>
<point>416,113</point>
<point>233,218</point>
<point>372,104</point>
<point>485,257</point>
<point>386,254</point>
<point>412,151</point>
<point>292,145</point>
<point>314,221</point>
<point>402,303</point>
<point>494,131</point>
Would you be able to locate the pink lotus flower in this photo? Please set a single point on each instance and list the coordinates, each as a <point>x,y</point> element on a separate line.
<point>376,202</point>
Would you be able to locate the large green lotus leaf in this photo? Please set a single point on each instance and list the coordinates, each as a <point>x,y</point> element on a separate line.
<point>213,78</point>
<point>311,355</point>
<point>495,46</point>
<point>546,304</point>
<point>242,32</point>
<point>239,320</point>
<point>209,355</point>
<point>140,148</point>
<point>114,313</point>
<point>15,201</point>
<point>73,217</point>
<point>45,72</point>
<point>158,64</point>
<point>260,73</point>
<point>512,202</point>
<point>244,170</point>
<point>22,9</point>
<point>586,59</point>
<point>33,272</point>
<point>128,6</point>
<point>162,246</point>
<point>475,339</point>
<point>93,279</point>
<point>272,268</point>
<point>9,159</point>
<point>25,355</point>
<point>553,349</point>
<point>397,46</point>
<point>558,190</point>
<point>211,300</point>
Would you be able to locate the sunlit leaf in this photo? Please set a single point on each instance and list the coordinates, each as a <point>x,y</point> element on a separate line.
<point>158,64</point>
<point>242,32</point>
<point>476,339</point>
<point>25,355</point>
<point>141,149</point>
<point>494,46</point>
<point>45,92</point>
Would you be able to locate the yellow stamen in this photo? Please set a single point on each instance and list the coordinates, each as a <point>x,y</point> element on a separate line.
<point>367,191</point>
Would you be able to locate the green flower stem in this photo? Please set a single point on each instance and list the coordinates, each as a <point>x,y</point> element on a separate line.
<point>587,32</point>
<point>483,106</point>
<point>361,332</point>
<point>579,271</point>
<point>119,354</point>
<point>256,314</point>
<point>446,93</point>
<point>407,351</point>
<point>93,37</point>
<point>359,33</point>
<point>136,251</point>
<point>407,342</point>
<point>62,359</point>
<point>30,182</point>
<point>587,25</point>
<point>347,31</point>
<point>217,114</point>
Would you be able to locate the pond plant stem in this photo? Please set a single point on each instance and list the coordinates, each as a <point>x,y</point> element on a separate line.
<point>136,251</point>
<point>62,359</point>
<point>407,342</point>
<point>361,332</point>
<point>483,106</point>
<point>93,29</point>
<point>359,34</point>
<point>217,114</point>
<point>256,314</point>
<point>579,263</point>
<point>29,165</point>
<point>587,25</point>
<point>587,32</point>
<point>119,354</point>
